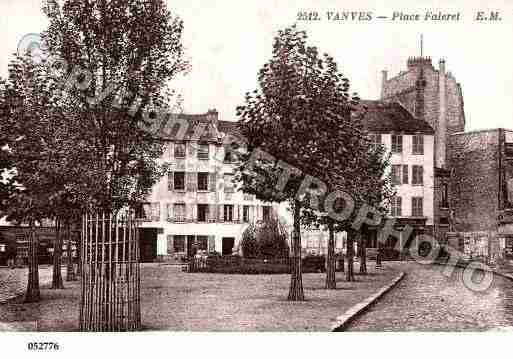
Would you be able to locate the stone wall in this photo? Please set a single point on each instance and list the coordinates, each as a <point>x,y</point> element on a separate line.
<point>473,159</point>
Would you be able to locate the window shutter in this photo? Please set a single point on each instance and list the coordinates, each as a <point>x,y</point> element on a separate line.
<point>212,182</point>
<point>169,213</point>
<point>156,211</point>
<point>236,213</point>
<point>190,148</point>
<point>170,150</point>
<point>405,174</point>
<point>170,244</point>
<point>210,213</point>
<point>211,244</point>
<point>191,181</point>
<point>221,213</point>
<point>188,213</point>
<point>421,175</point>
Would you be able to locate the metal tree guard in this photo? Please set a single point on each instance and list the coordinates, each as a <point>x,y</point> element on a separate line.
<point>110,295</point>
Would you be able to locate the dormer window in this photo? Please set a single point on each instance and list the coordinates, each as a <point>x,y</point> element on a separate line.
<point>397,143</point>
<point>418,144</point>
<point>180,150</point>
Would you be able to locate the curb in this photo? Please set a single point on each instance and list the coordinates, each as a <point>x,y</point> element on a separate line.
<point>357,309</point>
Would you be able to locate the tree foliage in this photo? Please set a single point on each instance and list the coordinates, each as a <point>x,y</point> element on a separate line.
<point>300,114</point>
<point>116,59</point>
<point>266,240</point>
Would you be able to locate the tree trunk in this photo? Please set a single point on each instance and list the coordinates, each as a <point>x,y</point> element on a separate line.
<point>296,280</point>
<point>57,254</point>
<point>33,294</point>
<point>378,255</point>
<point>363,252</point>
<point>70,268</point>
<point>350,257</point>
<point>331,282</point>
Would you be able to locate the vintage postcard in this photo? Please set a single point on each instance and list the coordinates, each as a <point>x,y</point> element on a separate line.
<point>175,167</point>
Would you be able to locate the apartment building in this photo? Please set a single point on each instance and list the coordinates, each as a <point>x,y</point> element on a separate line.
<point>410,142</point>
<point>196,206</point>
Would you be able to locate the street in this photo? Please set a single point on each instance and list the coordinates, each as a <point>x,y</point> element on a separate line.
<point>426,300</point>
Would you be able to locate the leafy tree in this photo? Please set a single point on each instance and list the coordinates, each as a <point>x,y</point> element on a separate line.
<point>376,190</point>
<point>27,124</point>
<point>249,244</point>
<point>115,59</point>
<point>294,114</point>
<point>364,183</point>
<point>267,240</point>
<point>272,239</point>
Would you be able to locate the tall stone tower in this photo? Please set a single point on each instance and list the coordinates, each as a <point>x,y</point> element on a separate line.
<point>430,94</point>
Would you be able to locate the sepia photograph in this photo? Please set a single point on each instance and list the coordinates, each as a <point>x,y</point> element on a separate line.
<point>191,171</point>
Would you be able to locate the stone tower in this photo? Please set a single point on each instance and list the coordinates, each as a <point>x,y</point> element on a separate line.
<point>430,94</point>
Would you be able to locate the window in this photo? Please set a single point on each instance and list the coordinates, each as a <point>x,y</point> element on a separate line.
<point>202,212</point>
<point>418,144</point>
<point>445,196</point>
<point>417,175</point>
<point>396,204</point>
<point>155,211</point>
<point>145,211</point>
<point>396,174</point>
<point>266,213</point>
<point>375,139</point>
<point>228,183</point>
<point>417,207</point>
<point>202,181</point>
<point>405,174</point>
<point>397,143</point>
<point>179,244</point>
<point>245,214</point>
<point>179,181</point>
<point>179,212</point>
<point>180,150</point>
<point>203,151</point>
<point>228,212</point>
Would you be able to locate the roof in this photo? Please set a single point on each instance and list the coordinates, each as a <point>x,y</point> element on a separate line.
<point>387,117</point>
<point>188,126</point>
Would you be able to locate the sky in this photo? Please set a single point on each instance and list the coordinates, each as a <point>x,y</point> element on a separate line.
<point>229,41</point>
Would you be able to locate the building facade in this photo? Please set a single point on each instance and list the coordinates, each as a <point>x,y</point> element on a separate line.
<point>433,95</point>
<point>472,175</point>
<point>196,206</point>
<point>482,192</point>
<point>410,142</point>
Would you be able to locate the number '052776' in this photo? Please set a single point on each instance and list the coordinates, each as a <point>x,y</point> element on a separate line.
<point>42,346</point>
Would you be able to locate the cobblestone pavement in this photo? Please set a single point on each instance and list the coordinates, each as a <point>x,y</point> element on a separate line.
<point>13,282</point>
<point>426,300</point>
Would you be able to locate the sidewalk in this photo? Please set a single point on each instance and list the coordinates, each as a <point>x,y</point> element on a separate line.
<point>177,301</point>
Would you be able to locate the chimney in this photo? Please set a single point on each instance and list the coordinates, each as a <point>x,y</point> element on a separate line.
<point>441,130</point>
<point>213,117</point>
<point>384,75</point>
<point>420,84</point>
<point>213,120</point>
